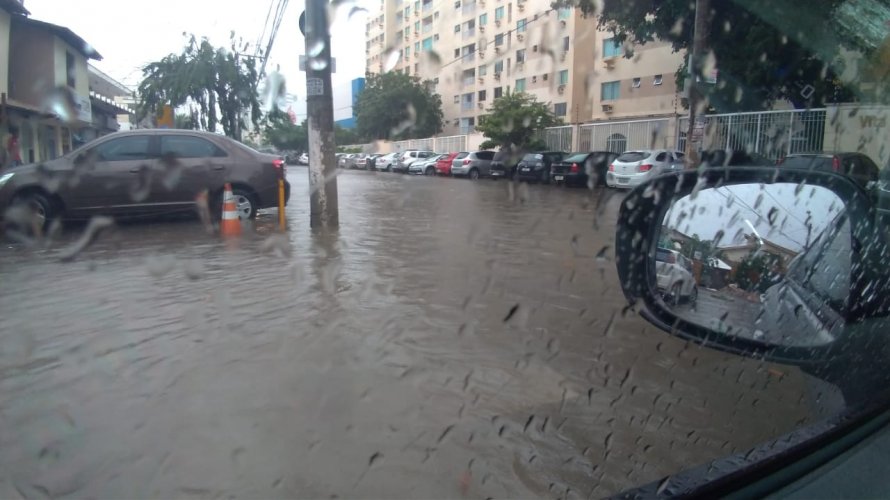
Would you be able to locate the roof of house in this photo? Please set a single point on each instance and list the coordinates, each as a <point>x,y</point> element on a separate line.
<point>14,7</point>
<point>72,38</point>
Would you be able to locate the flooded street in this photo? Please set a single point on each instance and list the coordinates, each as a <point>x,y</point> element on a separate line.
<point>452,339</point>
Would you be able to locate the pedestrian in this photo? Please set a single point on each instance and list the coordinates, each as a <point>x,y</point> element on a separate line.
<point>13,154</point>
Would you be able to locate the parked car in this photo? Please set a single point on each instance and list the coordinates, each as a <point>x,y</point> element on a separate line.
<point>425,166</point>
<point>385,162</point>
<point>575,168</point>
<point>472,164</point>
<point>673,274</point>
<point>130,175</point>
<point>341,159</point>
<point>733,158</point>
<point>408,157</point>
<point>632,168</point>
<point>857,166</point>
<point>360,161</point>
<point>505,161</point>
<point>537,166</point>
<point>303,159</point>
<point>371,164</point>
<point>443,165</point>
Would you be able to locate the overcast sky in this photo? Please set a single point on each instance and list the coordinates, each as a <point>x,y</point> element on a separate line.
<point>715,209</point>
<point>111,27</point>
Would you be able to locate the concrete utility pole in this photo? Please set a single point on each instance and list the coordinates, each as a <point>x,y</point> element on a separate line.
<point>699,45</point>
<point>323,211</point>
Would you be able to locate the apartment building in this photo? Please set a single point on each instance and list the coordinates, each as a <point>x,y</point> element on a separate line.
<point>476,50</point>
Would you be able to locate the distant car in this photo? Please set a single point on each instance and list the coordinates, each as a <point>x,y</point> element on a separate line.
<point>472,164</point>
<point>303,159</point>
<point>504,163</point>
<point>537,166</point>
<point>443,165</point>
<point>405,160</point>
<point>372,161</point>
<point>857,166</point>
<point>384,163</point>
<point>673,274</point>
<point>123,178</point>
<point>360,161</point>
<point>425,167</point>
<point>632,168</point>
<point>575,168</point>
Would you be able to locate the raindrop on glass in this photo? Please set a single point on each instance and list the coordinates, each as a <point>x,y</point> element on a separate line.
<point>391,58</point>
<point>60,102</point>
<point>273,92</point>
<point>316,49</point>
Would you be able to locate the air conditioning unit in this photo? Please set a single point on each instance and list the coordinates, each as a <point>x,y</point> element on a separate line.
<point>609,63</point>
<point>481,105</point>
<point>607,108</point>
<point>481,29</point>
<point>534,78</point>
<point>520,37</point>
<point>497,50</point>
<point>562,24</point>
<point>519,65</point>
<point>563,56</point>
<point>497,23</point>
<point>416,13</point>
<point>481,80</point>
<point>521,7</point>
<point>481,54</point>
<point>561,89</point>
<point>497,76</point>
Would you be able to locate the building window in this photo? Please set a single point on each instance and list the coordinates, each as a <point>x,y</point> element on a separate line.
<point>636,83</point>
<point>657,80</point>
<point>520,85</point>
<point>498,40</point>
<point>611,48</point>
<point>416,68</point>
<point>407,12</point>
<point>498,92</point>
<point>610,91</point>
<point>436,37</point>
<point>483,70</point>
<point>499,67</point>
<point>565,44</point>
<point>407,52</point>
<point>520,26</point>
<point>520,56</point>
<point>457,28</point>
<point>456,52</point>
<point>560,108</point>
<point>427,44</point>
<point>483,19</point>
<point>564,13</point>
<point>498,13</point>
<point>616,143</point>
<point>564,77</point>
<point>457,99</point>
<point>417,27</point>
<point>70,70</point>
<point>456,5</point>
<point>546,76</point>
<point>481,95</point>
<point>416,47</point>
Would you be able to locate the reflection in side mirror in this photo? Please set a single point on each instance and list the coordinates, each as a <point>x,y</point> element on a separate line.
<point>765,262</point>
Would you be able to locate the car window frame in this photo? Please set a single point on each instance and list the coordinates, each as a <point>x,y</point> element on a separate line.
<point>224,154</point>
<point>151,147</point>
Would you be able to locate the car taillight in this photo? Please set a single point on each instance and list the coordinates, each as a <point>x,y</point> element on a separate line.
<point>645,167</point>
<point>278,163</point>
<point>611,167</point>
<point>836,164</point>
<point>466,162</point>
<point>575,167</point>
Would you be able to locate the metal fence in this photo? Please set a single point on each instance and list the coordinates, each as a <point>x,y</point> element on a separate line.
<point>772,134</point>
<point>619,137</point>
<point>558,138</point>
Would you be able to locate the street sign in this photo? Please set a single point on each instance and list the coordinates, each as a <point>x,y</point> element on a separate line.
<point>314,86</point>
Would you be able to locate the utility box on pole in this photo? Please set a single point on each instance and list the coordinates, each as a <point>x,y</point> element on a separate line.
<point>323,210</point>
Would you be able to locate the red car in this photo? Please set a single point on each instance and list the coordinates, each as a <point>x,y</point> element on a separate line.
<point>443,166</point>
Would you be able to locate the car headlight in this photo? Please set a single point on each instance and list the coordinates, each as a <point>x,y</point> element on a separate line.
<point>5,178</point>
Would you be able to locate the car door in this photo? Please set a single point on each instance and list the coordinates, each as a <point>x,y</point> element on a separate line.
<point>118,177</point>
<point>484,162</point>
<point>187,166</point>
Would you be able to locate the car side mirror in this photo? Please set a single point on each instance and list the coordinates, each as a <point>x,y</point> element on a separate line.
<point>785,262</point>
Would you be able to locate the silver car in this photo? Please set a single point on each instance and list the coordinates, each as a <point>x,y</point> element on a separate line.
<point>472,164</point>
<point>633,168</point>
<point>673,274</point>
<point>427,166</point>
<point>405,160</point>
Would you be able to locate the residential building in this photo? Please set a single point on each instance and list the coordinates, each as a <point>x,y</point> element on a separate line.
<point>109,115</point>
<point>474,51</point>
<point>44,83</point>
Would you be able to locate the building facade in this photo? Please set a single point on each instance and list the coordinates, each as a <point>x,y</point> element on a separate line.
<point>474,51</point>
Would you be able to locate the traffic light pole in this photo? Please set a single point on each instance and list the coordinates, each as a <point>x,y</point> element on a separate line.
<point>324,210</point>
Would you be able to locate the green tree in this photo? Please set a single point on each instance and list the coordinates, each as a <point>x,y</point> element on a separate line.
<point>346,136</point>
<point>279,131</point>
<point>395,106</point>
<point>764,50</point>
<point>515,119</point>
<point>218,87</point>
<point>757,272</point>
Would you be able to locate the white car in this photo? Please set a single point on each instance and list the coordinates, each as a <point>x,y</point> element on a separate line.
<point>303,159</point>
<point>673,275</point>
<point>633,168</point>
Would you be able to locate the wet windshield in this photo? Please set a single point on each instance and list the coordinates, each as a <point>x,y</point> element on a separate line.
<point>347,315</point>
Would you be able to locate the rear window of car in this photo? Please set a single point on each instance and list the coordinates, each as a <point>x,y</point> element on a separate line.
<point>532,156</point>
<point>814,162</point>
<point>663,255</point>
<point>461,155</point>
<point>577,157</point>
<point>633,156</point>
<point>485,155</point>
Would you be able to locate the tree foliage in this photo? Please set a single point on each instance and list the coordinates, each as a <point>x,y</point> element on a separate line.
<point>764,50</point>
<point>514,119</point>
<point>216,85</point>
<point>395,106</point>
<point>279,131</point>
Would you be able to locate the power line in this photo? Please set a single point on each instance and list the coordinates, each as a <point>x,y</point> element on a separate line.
<point>259,41</point>
<point>276,23</point>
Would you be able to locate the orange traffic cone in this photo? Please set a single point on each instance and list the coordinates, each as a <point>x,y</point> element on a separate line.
<point>230,225</point>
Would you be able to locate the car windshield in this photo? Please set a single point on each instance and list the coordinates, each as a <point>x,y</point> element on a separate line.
<point>358,316</point>
<point>632,156</point>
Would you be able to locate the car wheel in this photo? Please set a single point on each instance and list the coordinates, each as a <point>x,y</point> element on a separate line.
<point>474,173</point>
<point>35,212</point>
<point>430,171</point>
<point>675,294</point>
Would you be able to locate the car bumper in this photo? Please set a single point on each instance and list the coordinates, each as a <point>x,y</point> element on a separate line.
<point>531,174</point>
<point>569,177</point>
<point>460,170</point>
<point>625,181</point>
<point>443,170</point>
<point>415,170</point>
